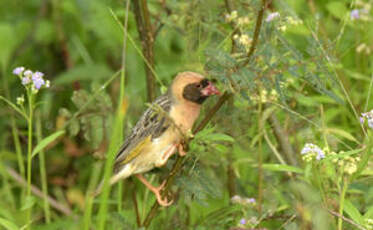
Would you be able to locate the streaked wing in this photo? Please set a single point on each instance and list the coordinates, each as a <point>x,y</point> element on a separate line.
<point>151,124</point>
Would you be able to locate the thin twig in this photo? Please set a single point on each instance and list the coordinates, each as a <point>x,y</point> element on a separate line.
<point>283,139</point>
<point>134,199</point>
<point>258,26</point>
<point>231,177</point>
<point>35,190</point>
<point>145,30</point>
<point>224,98</point>
<point>346,219</point>
<point>161,24</point>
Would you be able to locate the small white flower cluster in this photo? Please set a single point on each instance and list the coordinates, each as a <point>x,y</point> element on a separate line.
<point>233,17</point>
<point>369,117</point>
<point>348,164</point>
<point>363,48</point>
<point>283,23</point>
<point>243,21</point>
<point>236,199</point>
<point>311,151</point>
<point>20,100</point>
<point>293,21</point>
<point>31,79</point>
<point>253,221</point>
<point>361,12</point>
<point>265,97</point>
<point>272,16</point>
<point>243,40</point>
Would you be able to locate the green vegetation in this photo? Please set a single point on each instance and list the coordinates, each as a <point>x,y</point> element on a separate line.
<point>287,145</point>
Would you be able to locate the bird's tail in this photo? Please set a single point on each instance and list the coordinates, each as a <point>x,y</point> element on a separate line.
<point>123,173</point>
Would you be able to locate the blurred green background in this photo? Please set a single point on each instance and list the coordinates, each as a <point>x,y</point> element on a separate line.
<point>308,81</point>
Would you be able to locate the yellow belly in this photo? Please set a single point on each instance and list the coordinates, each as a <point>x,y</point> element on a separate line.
<point>152,155</point>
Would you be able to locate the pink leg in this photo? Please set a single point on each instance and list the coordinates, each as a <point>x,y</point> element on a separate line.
<point>155,190</point>
<point>169,153</point>
<point>181,150</point>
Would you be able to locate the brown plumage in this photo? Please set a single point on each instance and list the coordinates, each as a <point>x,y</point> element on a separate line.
<point>160,131</point>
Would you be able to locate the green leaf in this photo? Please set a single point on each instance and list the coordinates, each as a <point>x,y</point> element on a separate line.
<point>64,112</point>
<point>14,107</point>
<point>8,41</point>
<point>369,213</point>
<point>46,141</point>
<point>266,114</point>
<point>337,9</point>
<point>221,57</point>
<point>80,98</point>
<point>342,133</point>
<point>353,212</point>
<point>8,225</point>
<point>93,129</point>
<point>282,168</point>
<point>29,202</point>
<point>219,137</point>
<point>74,127</point>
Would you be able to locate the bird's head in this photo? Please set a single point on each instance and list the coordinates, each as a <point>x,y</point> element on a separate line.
<point>193,87</point>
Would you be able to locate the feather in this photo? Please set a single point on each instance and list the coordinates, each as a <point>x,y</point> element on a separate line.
<point>151,125</point>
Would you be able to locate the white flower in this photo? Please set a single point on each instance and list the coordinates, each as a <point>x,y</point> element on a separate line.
<point>232,16</point>
<point>243,21</point>
<point>313,150</point>
<point>282,28</point>
<point>26,80</point>
<point>28,73</point>
<point>18,70</point>
<point>20,100</point>
<point>355,14</point>
<point>272,16</point>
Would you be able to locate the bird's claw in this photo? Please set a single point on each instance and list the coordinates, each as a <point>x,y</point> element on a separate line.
<point>157,192</point>
<point>181,150</point>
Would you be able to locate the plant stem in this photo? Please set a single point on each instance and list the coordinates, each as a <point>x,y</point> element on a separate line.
<point>88,204</point>
<point>260,156</point>
<point>283,140</point>
<point>258,26</point>
<point>17,144</point>
<point>145,30</point>
<point>29,152</point>
<point>43,174</point>
<point>341,203</point>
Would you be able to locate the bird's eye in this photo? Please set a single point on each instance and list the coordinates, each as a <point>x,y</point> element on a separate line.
<point>199,86</point>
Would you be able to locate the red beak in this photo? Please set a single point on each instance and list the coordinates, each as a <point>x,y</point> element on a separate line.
<point>210,89</point>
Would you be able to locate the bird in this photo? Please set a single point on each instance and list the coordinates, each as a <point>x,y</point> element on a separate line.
<point>161,130</point>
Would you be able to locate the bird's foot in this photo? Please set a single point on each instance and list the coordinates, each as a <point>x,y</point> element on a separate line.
<point>181,149</point>
<point>156,190</point>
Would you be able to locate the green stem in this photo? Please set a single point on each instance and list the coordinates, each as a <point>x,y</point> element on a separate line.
<point>260,157</point>
<point>29,152</point>
<point>341,203</point>
<point>88,204</point>
<point>120,196</point>
<point>43,174</point>
<point>316,172</point>
<point>18,147</point>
